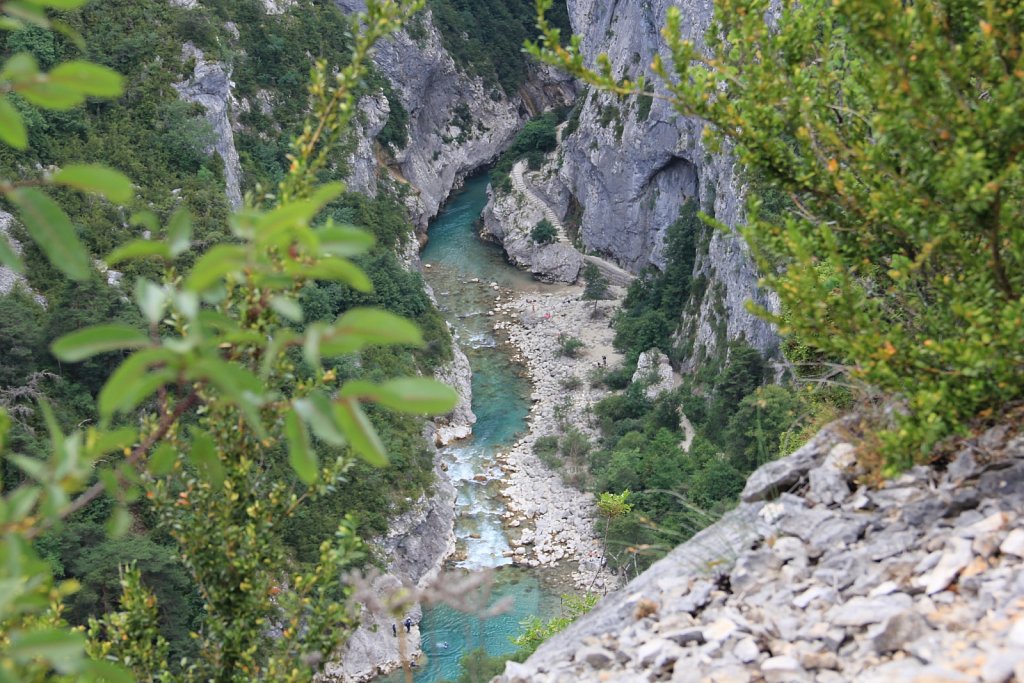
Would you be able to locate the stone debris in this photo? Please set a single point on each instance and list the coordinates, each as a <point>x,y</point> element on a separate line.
<point>832,583</point>
<point>549,522</point>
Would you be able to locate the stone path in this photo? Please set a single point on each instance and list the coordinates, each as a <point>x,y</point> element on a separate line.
<point>614,274</point>
<point>519,183</point>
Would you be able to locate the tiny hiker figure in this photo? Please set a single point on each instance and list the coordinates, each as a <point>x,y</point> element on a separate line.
<point>394,630</point>
<point>408,624</point>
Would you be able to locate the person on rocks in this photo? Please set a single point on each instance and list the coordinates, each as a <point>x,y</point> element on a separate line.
<point>394,630</point>
<point>408,624</point>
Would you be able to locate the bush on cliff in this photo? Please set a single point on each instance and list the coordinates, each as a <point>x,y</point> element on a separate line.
<point>895,130</point>
<point>538,137</point>
<point>543,232</point>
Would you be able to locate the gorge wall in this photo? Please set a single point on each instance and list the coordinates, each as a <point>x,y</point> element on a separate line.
<point>457,122</point>
<point>632,164</point>
<point>625,167</point>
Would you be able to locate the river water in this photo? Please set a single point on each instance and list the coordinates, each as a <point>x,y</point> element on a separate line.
<point>501,401</point>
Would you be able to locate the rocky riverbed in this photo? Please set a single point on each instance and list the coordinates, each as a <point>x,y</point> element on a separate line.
<point>817,578</point>
<point>549,523</point>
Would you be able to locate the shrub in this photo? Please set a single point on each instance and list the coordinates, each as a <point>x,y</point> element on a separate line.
<point>546,449</point>
<point>571,383</point>
<point>159,455</point>
<point>575,445</point>
<point>619,378</point>
<point>569,346</point>
<point>544,232</point>
<point>545,445</point>
<point>752,434</point>
<point>904,157</point>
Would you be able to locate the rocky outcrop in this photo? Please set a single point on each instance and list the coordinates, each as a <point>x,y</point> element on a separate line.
<point>654,370</point>
<point>278,6</point>
<point>631,165</point>
<point>210,86</point>
<point>442,149</point>
<point>10,280</point>
<point>458,424</point>
<point>372,649</point>
<point>508,220</point>
<point>457,123</point>
<point>362,163</point>
<point>816,578</point>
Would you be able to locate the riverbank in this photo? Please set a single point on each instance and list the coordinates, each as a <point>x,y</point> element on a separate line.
<point>548,522</point>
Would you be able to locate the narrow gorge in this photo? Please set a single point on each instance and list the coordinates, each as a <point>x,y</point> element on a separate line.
<point>735,359</point>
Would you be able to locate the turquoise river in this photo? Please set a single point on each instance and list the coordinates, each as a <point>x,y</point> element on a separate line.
<point>501,401</point>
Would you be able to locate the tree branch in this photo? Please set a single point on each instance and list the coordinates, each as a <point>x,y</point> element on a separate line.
<point>93,492</point>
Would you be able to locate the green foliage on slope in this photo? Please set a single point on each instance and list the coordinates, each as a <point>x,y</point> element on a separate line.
<point>655,301</point>
<point>544,232</point>
<point>486,37</point>
<point>894,128</point>
<point>194,468</point>
<point>538,137</point>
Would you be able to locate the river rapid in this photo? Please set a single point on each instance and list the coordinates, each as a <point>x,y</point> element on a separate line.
<point>462,270</point>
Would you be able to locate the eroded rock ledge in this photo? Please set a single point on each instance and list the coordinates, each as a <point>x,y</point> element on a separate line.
<point>815,579</point>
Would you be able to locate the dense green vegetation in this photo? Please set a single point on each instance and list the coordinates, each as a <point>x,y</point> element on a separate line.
<point>894,128</point>
<point>537,138</point>
<point>656,300</point>
<point>486,37</point>
<point>161,144</point>
<point>544,232</point>
<point>740,423</point>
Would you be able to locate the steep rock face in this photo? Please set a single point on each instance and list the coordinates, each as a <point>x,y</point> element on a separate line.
<point>417,544</point>
<point>457,123</point>
<point>440,152</point>
<point>362,162</point>
<point>632,165</point>
<point>210,86</point>
<point>9,279</point>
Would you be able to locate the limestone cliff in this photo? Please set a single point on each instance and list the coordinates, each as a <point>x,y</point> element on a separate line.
<point>416,545</point>
<point>458,424</point>
<point>631,165</point>
<point>508,219</point>
<point>457,123</point>
<point>210,86</point>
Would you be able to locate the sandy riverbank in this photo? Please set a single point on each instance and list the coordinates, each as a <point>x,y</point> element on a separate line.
<point>550,523</point>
